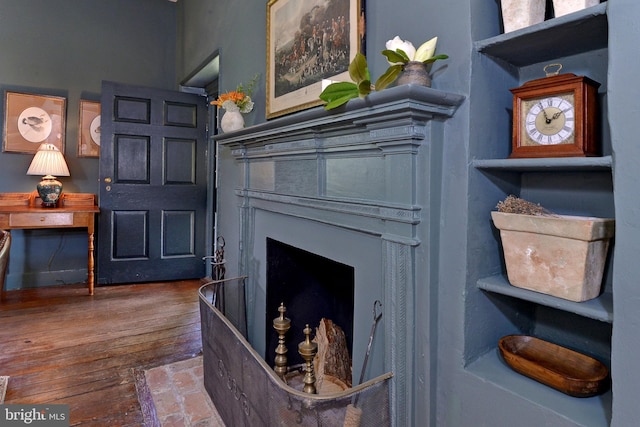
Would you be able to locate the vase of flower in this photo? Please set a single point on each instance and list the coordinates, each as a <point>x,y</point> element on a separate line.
<point>411,64</point>
<point>415,72</point>
<point>235,104</point>
<point>232,119</point>
<point>407,65</point>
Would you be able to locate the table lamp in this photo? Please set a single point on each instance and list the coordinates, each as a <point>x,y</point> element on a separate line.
<point>49,162</point>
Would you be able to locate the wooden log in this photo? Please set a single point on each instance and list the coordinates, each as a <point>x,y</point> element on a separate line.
<point>332,362</point>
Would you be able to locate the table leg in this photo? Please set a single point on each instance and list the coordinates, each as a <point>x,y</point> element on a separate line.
<point>90,269</point>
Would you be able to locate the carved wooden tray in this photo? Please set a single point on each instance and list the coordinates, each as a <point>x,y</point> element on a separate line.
<point>565,370</point>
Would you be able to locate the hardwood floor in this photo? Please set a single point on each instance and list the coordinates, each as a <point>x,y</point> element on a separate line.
<point>60,345</point>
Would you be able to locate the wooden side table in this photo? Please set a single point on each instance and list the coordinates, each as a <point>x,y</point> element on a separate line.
<point>76,210</point>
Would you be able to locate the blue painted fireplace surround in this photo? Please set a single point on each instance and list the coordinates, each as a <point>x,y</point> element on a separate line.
<point>355,185</point>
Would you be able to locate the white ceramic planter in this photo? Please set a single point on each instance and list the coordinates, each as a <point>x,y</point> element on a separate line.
<point>232,121</point>
<point>563,256</point>
<point>563,7</point>
<point>518,14</point>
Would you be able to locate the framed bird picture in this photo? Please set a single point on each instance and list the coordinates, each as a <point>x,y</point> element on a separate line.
<point>89,129</point>
<point>31,120</point>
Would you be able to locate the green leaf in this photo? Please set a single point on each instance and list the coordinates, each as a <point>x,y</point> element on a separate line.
<point>364,87</point>
<point>388,77</point>
<point>435,58</point>
<point>339,101</point>
<point>403,54</point>
<point>338,90</point>
<point>339,93</point>
<point>393,56</point>
<point>358,69</point>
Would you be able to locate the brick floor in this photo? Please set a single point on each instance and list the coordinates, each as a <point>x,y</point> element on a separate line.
<point>179,396</point>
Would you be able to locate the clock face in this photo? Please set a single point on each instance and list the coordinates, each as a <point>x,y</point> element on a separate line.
<point>549,120</point>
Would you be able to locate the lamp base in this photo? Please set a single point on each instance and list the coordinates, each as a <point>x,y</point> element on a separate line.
<point>49,190</point>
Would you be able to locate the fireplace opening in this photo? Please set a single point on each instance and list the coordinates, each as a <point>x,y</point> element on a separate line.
<point>311,287</point>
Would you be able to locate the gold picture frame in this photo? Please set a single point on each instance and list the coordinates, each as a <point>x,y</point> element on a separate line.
<point>31,120</point>
<point>89,129</point>
<point>308,41</point>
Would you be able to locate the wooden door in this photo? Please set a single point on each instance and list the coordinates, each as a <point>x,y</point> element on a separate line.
<point>153,185</point>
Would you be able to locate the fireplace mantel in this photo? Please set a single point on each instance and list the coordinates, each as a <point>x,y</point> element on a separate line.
<point>361,185</point>
<point>391,105</point>
<point>357,162</point>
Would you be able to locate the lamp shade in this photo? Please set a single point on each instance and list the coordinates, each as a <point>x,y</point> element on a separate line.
<point>48,161</point>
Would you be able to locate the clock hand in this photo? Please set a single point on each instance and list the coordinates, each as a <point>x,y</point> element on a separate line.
<point>547,120</point>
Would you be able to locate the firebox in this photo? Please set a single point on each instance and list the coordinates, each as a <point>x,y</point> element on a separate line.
<point>311,287</point>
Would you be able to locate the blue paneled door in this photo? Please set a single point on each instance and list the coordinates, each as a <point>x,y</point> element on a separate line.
<point>153,185</point>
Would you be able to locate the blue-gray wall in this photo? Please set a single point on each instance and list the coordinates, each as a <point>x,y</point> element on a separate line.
<point>624,110</point>
<point>66,48</point>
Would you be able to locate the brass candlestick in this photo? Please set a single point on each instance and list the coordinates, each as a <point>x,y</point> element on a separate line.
<point>308,350</point>
<point>281,324</point>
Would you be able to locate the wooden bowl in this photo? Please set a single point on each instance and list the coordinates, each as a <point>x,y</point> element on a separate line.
<point>565,370</point>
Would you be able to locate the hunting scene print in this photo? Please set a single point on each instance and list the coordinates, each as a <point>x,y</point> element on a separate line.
<point>308,41</point>
<point>318,49</point>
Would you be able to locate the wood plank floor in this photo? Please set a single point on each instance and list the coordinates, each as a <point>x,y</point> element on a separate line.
<point>60,345</point>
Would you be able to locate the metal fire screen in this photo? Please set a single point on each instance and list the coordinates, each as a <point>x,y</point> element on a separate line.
<point>247,392</point>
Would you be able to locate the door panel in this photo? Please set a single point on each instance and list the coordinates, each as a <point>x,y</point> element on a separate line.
<point>153,185</point>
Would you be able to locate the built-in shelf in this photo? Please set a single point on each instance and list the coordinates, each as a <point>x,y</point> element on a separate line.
<point>587,412</point>
<point>600,308</point>
<point>583,184</point>
<point>555,164</point>
<point>578,32</point>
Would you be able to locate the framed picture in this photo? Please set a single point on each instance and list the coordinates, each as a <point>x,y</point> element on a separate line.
<point>31,120</point>
<point>89,129</point>
<point>308,41</point>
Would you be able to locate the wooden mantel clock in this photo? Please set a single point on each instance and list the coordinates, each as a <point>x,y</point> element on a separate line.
<point>555,116</point>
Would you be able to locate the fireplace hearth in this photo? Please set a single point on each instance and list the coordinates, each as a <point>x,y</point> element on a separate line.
<point>355,187</point>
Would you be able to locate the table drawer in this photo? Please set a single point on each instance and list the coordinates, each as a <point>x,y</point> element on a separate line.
<point>41,220</point>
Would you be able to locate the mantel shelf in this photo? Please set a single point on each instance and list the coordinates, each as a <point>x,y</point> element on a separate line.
<point>600,308</point>
<point>399,104</point>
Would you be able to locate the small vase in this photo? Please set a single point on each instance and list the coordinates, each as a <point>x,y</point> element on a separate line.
<point>232,121</point>
<point>414,72</point>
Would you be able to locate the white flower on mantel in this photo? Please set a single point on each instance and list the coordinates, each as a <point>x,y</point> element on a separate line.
<point>406,46</point>
<point>230,106</point>
<point>423,53</point>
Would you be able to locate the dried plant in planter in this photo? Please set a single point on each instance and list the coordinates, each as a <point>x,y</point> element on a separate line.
<point>516,205</point>
<point>559,255</point>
